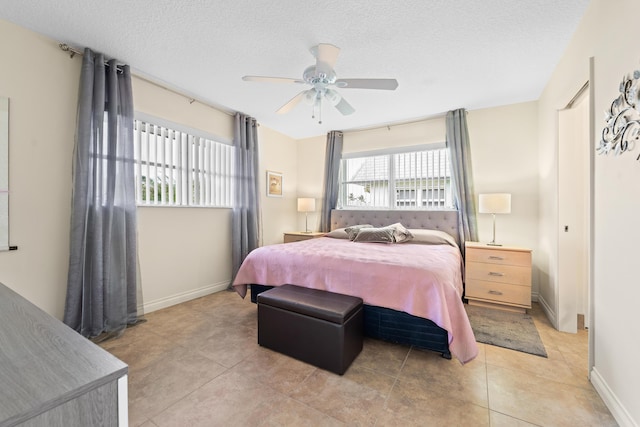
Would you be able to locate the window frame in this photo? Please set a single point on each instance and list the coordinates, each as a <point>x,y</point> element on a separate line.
<point>392,200</point>
<point>193,143</point>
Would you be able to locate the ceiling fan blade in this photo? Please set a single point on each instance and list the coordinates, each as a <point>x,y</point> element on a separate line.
<point>326,57</point>
<point>292,103</point>
<point>271,79</point>
<point>344,107</point>
<point>339,102</point>
<point>383,84</point>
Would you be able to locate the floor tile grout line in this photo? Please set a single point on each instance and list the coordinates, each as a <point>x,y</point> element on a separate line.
<point>514,417</point>
<point>395,380</point>
<point>486,375</point>
<point>288,395</point>
<point>527,372</point>
<point>150,418</point>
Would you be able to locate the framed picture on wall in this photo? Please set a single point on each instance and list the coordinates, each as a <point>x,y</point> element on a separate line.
<point>274,184</point>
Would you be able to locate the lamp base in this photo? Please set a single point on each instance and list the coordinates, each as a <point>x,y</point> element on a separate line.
<point>307,232</point>
<point>494,244</point>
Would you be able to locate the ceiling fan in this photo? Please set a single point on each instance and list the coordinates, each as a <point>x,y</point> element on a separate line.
<point>321,77</point>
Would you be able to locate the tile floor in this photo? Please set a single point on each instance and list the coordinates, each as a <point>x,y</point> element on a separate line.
<point>198,364</point>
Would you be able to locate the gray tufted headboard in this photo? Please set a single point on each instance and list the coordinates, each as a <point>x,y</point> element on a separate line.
<point>446,221</point>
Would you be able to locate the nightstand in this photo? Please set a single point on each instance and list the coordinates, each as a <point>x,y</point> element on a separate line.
<point>296,236</point>
<point>498,276</point>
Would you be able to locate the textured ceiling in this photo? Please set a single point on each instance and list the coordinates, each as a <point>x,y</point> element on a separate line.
<point>445,54</point>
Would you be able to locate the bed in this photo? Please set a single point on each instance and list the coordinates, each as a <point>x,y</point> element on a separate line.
<point>412,292</point>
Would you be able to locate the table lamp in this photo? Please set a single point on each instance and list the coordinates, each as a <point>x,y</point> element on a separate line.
<point>306,205</point>
<point>494,203</point>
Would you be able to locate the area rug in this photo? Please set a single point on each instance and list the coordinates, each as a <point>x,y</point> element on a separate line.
<point>505,329</point>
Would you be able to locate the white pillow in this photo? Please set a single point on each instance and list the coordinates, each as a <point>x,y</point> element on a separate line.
<point>338,233</point>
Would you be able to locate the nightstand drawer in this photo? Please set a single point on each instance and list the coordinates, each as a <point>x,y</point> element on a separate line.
<point>513,274</point>
<point>497,256</point>
<point>298,236</point>
<point>499,292</point>
<point>288,238</point>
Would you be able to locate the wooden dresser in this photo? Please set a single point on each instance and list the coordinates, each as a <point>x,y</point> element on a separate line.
<point>52,376</point>
<point>498,276</point>
<point>296,236</point>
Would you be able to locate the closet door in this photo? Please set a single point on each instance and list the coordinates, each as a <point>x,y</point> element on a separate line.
<point>573,213</point>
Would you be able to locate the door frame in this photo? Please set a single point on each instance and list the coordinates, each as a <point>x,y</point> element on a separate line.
<point>590,204</point>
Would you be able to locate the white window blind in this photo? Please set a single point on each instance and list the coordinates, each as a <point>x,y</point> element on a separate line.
<point>405,180</point>
<point>177,168</point>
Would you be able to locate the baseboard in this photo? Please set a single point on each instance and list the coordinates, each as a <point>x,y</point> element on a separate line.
<point>609,398</point>
<point>534,296</point>
<point>183,297</point>
<point>551,315</point>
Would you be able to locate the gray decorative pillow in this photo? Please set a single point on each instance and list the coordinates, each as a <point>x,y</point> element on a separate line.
<point>375,235</point>
<point>338,233</point>
<point>400,233</point>
<point>353,230</point>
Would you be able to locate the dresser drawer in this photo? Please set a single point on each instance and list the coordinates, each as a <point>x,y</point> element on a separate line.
<point>497,256</point>
<point>499,292</point>
<point>513,274</point>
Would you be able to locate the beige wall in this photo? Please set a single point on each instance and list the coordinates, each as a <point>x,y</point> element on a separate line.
<point>427,131</point>
<point>42,85</point>
<point>615,290</point>
<point>278,153</point>
<point>504,153</point>
<point>310,161</point>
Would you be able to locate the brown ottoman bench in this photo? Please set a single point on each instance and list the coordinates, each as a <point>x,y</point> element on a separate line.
<point>318,327</point>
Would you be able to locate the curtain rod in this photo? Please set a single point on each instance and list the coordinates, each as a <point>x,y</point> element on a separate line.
<point>73,52</point>
<point>388,126</point>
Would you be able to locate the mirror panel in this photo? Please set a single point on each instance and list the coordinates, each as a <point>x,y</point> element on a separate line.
<point>4,173</point>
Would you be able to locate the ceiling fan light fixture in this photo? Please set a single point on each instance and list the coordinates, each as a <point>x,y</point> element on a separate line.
<point>310,96</point>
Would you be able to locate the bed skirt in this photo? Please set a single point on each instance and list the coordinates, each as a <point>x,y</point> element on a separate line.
<point>395,326</point>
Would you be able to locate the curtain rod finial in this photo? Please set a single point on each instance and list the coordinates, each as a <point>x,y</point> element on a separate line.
<point>65,48</point>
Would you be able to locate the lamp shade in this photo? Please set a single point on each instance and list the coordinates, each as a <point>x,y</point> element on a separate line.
<point>306,204</point>
<point>494,203</point>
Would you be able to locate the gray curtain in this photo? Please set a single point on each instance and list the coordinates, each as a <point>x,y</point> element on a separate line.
<point>331,169</point>
<point>462,173</point>
<point>246,204</point>
<point>102,287</point>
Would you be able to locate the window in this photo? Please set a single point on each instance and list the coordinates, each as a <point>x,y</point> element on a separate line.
<point>399,180</point>
<point>176,168</point>
<point>405,197</point>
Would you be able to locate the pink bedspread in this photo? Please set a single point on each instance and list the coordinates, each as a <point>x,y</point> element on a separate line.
<point>422,280</point>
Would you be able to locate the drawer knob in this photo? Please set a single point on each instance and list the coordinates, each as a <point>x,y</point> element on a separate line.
<point>495,292</point>
<point>493,273</point>
<point>499,258</point>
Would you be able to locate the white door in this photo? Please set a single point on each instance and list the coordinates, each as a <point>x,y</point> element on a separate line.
<point>573,213</point>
